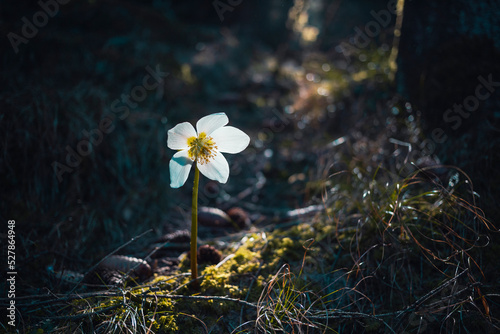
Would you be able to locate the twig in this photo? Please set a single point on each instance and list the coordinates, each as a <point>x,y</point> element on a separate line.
<point>234,300</point>
<point>61,298</point>
<point>80,316</point>
<point>336,314</point>
<point>421,300</point>
<point>428,295</point>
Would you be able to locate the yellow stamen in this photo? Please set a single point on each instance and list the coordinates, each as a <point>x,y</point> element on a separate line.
<point>201,149</point>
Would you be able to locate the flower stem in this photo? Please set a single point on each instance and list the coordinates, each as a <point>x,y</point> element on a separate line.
<point>194,225</point>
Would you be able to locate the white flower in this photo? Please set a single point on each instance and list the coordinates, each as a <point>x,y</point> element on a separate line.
<point>204,146</point>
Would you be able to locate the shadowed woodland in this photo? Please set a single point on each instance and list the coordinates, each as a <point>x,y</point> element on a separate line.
<point>366,202</point>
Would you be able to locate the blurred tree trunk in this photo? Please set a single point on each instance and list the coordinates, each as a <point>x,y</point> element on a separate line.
<point>445,47</point>
<point>449,69</point>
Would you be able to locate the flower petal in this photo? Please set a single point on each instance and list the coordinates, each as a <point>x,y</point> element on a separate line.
<point>179,134</point>
<point>230,139</point>
<point>210,123</point>
<point>217,169</point>
<point>180,165</point>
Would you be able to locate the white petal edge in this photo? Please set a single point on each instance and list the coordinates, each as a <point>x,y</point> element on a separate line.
<point>229,139</point>
<point>210,123</point>
<point>179,134</point>
<point>180,165</point>
<point>217,169</point>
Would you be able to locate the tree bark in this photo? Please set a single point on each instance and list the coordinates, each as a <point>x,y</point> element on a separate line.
<point>449,69</point>
<point>445,47</point>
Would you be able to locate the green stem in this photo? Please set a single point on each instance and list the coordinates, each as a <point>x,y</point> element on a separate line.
<point>194,225</point>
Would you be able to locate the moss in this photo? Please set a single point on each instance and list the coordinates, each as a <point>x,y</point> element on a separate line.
<point>325,230</point>
<point>216,281</point>
<point>286,247</point>
<point>227,278</point>
<point>165,324</point>
<point>163,282</point>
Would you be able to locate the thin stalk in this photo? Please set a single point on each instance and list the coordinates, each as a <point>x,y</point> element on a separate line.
<point>393,66</point>
<point>194,225</point>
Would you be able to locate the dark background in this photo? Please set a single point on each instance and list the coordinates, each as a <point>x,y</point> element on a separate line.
<point>252,65</point>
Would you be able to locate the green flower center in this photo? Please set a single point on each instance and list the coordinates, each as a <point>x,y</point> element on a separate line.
<point>202,149</point>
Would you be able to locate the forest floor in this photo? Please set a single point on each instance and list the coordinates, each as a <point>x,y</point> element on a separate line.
<point>339,227</point>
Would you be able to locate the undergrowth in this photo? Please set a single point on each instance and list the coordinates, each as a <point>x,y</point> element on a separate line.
<point>398,247</point>
<point>400,256</point>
